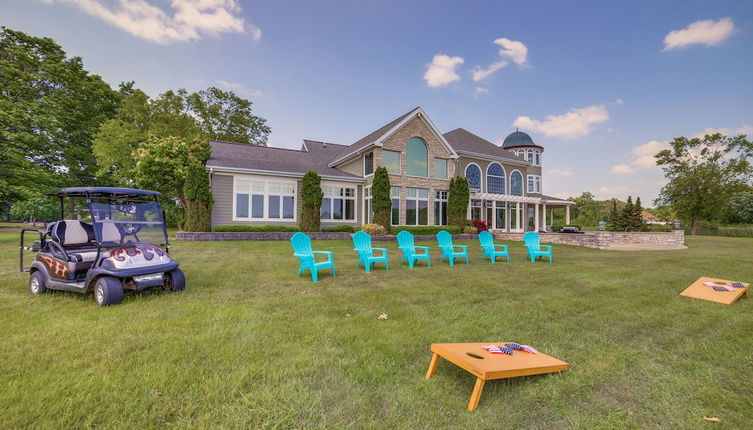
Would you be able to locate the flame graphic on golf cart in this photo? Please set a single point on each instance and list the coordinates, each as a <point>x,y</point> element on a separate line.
<point>136,256</point>
<point>56,268</point>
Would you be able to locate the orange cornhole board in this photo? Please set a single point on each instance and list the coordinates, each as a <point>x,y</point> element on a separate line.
<point>700,291</point>
<point>491,366</point>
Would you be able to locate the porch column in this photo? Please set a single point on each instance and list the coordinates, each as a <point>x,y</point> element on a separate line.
<point>567,214</point>
<point>543,214</point>
<point>536,217</point>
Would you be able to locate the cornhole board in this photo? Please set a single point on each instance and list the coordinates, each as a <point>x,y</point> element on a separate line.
<point>699,291</point>
<point>491,366</point>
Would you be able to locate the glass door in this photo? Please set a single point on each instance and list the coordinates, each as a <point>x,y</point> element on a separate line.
<point>499,221</point>
<point>516,217</point>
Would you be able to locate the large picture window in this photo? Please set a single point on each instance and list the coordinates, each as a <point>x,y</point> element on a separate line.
<point>495,179</point>
<point>391,161</point>
<point>516,183</point>
<point>395,211</point>
<point>339,203</point>
<point>417,158</point>
<point>440,208</point>
<point>368,164</point>
<point>473,175</point>
<point>416,206</point>
<point>264,200</point>
<point>440,168</point>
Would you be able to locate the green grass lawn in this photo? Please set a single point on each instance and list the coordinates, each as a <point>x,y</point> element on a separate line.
<point>250,345</point>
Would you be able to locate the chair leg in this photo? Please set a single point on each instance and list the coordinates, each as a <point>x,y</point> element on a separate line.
<point>333,271</point>
<point>410,263</point>
<point>367,265</point>
<point>466,258</point>
<point>314,275</point>
<point>451,260</point>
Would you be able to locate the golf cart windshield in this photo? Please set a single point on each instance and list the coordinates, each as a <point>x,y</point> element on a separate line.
<point>116,222</point>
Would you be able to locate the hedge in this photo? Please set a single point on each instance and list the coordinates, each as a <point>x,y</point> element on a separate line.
<point>340,229</point>
<point>427,230</point>
<point>256,228</point>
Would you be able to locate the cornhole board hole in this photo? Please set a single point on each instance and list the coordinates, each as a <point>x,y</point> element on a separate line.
<point>491,366</point>
<point>699,291</point>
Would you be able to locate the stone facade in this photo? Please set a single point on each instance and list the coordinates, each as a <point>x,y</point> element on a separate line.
<point>608,239</point>
<point>235,236</point>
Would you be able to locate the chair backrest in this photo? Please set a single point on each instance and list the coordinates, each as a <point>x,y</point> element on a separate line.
<point>445,239</point>
<point>362,241</point>
<point>405,240</point>
<point>301,244</point>
<point>531,240</point>
<point>71,232</point>
<point>486,239</point>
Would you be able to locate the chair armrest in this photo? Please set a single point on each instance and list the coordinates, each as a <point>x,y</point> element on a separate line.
<point>384,251</point>
<point>423,247</point>
<point>501,246</point>
<point>549,247</point>
<point>464,247</point>
<point>322,252</point>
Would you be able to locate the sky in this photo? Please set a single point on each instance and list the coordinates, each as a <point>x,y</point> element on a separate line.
<point>602,86</point>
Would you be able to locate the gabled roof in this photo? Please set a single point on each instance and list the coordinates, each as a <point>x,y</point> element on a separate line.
<point>269,159</point>
<point>468,143</point>
<point>378,136</point>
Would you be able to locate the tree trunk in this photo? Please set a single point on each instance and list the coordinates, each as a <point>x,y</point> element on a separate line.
<point>693,226</point>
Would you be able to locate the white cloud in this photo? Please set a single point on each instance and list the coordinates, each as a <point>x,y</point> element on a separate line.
<point>619,101</point>
<point>238,88</point>
<point>575,123</point>
<point>613,191</point>
<point>480,74</point>
<point>729,132</point>
<point>567,171</point>
<point>513,49</point>
<point>480,90</point>
<point>442,70</point>
<point>622,169</point>
<point>644,154</point>
<point>186,19</point>
<point>707,32</point>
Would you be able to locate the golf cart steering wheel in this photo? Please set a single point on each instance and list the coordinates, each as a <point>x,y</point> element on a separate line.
<point>130,230</point>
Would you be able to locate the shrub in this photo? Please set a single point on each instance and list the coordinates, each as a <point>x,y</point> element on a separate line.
<point>557,227</point>
<point>469,229</point>
<point>374,229</point>
<point>256,228</point>
<point>428,230</point>
<point>480,225</point>
<point>340,229</point>
<point>311,201</point>
<point>381,202</point>
<point>457,202</point>
<point>198,199</point>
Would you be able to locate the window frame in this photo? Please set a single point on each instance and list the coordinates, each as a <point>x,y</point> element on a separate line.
<point>480,176</point>
<point>504,178</point>
<point>523,184</point>
<point>393,208</point>
<point>342,196</point>
<point>363,164</point>
<point>266,180</point>
<point>446,168</point>
<point>408,161</point>
<point>417,199</point>
<point>440,196</point>
<point>399,161</point>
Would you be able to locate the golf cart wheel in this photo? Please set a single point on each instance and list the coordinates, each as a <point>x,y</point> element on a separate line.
<point>175,281</point>
<point>108,291</point>
<point>37,284</point>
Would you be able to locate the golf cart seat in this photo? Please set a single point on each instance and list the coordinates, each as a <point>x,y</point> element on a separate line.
<point>76,238</point>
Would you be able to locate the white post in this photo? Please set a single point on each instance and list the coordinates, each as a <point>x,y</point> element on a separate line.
<point>543,215</point>
<point>536,217</point>
<point>567,215</point>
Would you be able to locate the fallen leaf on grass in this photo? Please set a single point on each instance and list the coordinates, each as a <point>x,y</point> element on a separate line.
<point>712,419</point>
<point>347,315</point>
<point>155,392</point>
<point>382,317</point>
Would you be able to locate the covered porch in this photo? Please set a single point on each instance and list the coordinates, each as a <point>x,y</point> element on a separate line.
<point>508,213</point>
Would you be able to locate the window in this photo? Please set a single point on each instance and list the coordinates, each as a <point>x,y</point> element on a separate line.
<point>417,158</point>
<point>262,200</point>
<point>440,208</point>
<point>339,203</point>
<point>395,194</point>
<point>368,164</point>
<point>530,183</point>
<point>534,183</point>
<point>473,174</point>
<point>416,206</point>
<point>440,168</point>
<point>495,179</point>
<point>368,215</point>
<point>538,158</point>
<point>475,209</point>
<point>516,183</point>
<point>391,161</point>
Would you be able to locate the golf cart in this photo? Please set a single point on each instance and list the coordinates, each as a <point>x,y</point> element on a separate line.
<point>122,246</point>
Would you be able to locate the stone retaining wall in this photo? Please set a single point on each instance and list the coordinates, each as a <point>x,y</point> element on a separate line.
<point>228,236</point>
<point>606,239</point>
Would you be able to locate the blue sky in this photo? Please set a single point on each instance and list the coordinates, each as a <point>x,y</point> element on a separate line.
<point>601,85</point>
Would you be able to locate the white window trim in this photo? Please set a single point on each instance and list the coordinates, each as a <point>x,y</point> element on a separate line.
<point>504,177</point>
<point>417,199</point>
<point>363,165</point>
<point>266,180</point>
<point>400,193</point>
<point>536,181</point>
<point>436,200</point>
<point>481,176</point>
<point>447,169</point>
<point>429,168</point>
<point>354,198</point>
<point>364,218</point>
<point>522,178</point>
<point>399,161</point>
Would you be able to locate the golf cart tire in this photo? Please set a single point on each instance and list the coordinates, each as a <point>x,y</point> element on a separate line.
<point>108,291</point>
<point>175,281</point>
<point>37,283</point>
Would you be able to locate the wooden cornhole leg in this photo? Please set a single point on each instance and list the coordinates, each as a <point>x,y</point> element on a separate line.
<point>476,394</point>
<point>432,365</point>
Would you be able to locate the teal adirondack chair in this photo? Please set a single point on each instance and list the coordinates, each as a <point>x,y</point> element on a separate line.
<point>535,248</point>
<point>492,250</point>
<point>362,242</point>
<point>406,244</point>
<point>302,249</point>
<point>448,249</point>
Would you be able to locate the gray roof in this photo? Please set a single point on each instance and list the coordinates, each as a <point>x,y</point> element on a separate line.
<point>317,158</point>
<point>550,198</point>
<point>518,138</point>
<point>464,140</point>
<point>371,137</point>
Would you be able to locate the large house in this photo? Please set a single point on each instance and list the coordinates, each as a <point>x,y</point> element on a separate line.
<point>261,185</point>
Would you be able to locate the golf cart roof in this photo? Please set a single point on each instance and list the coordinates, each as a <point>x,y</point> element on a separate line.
<point>100,192</point>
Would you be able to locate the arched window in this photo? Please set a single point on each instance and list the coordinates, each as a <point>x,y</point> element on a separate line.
<point>473,174</point>
<point>417,158</point>
<point>495,179</point>
<point>516,184</point>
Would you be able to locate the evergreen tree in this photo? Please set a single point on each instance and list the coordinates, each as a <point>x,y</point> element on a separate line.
<point>626,215</point>
<point>637,219</point>
<point>311,201</point>
<point>614,217</point>
<point>457,202</point>
<point>199,198</point>
<point>381,203</point>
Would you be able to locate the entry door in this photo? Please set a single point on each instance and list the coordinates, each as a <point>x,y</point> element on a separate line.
<point>490,215</point>
<point>499,221</point>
